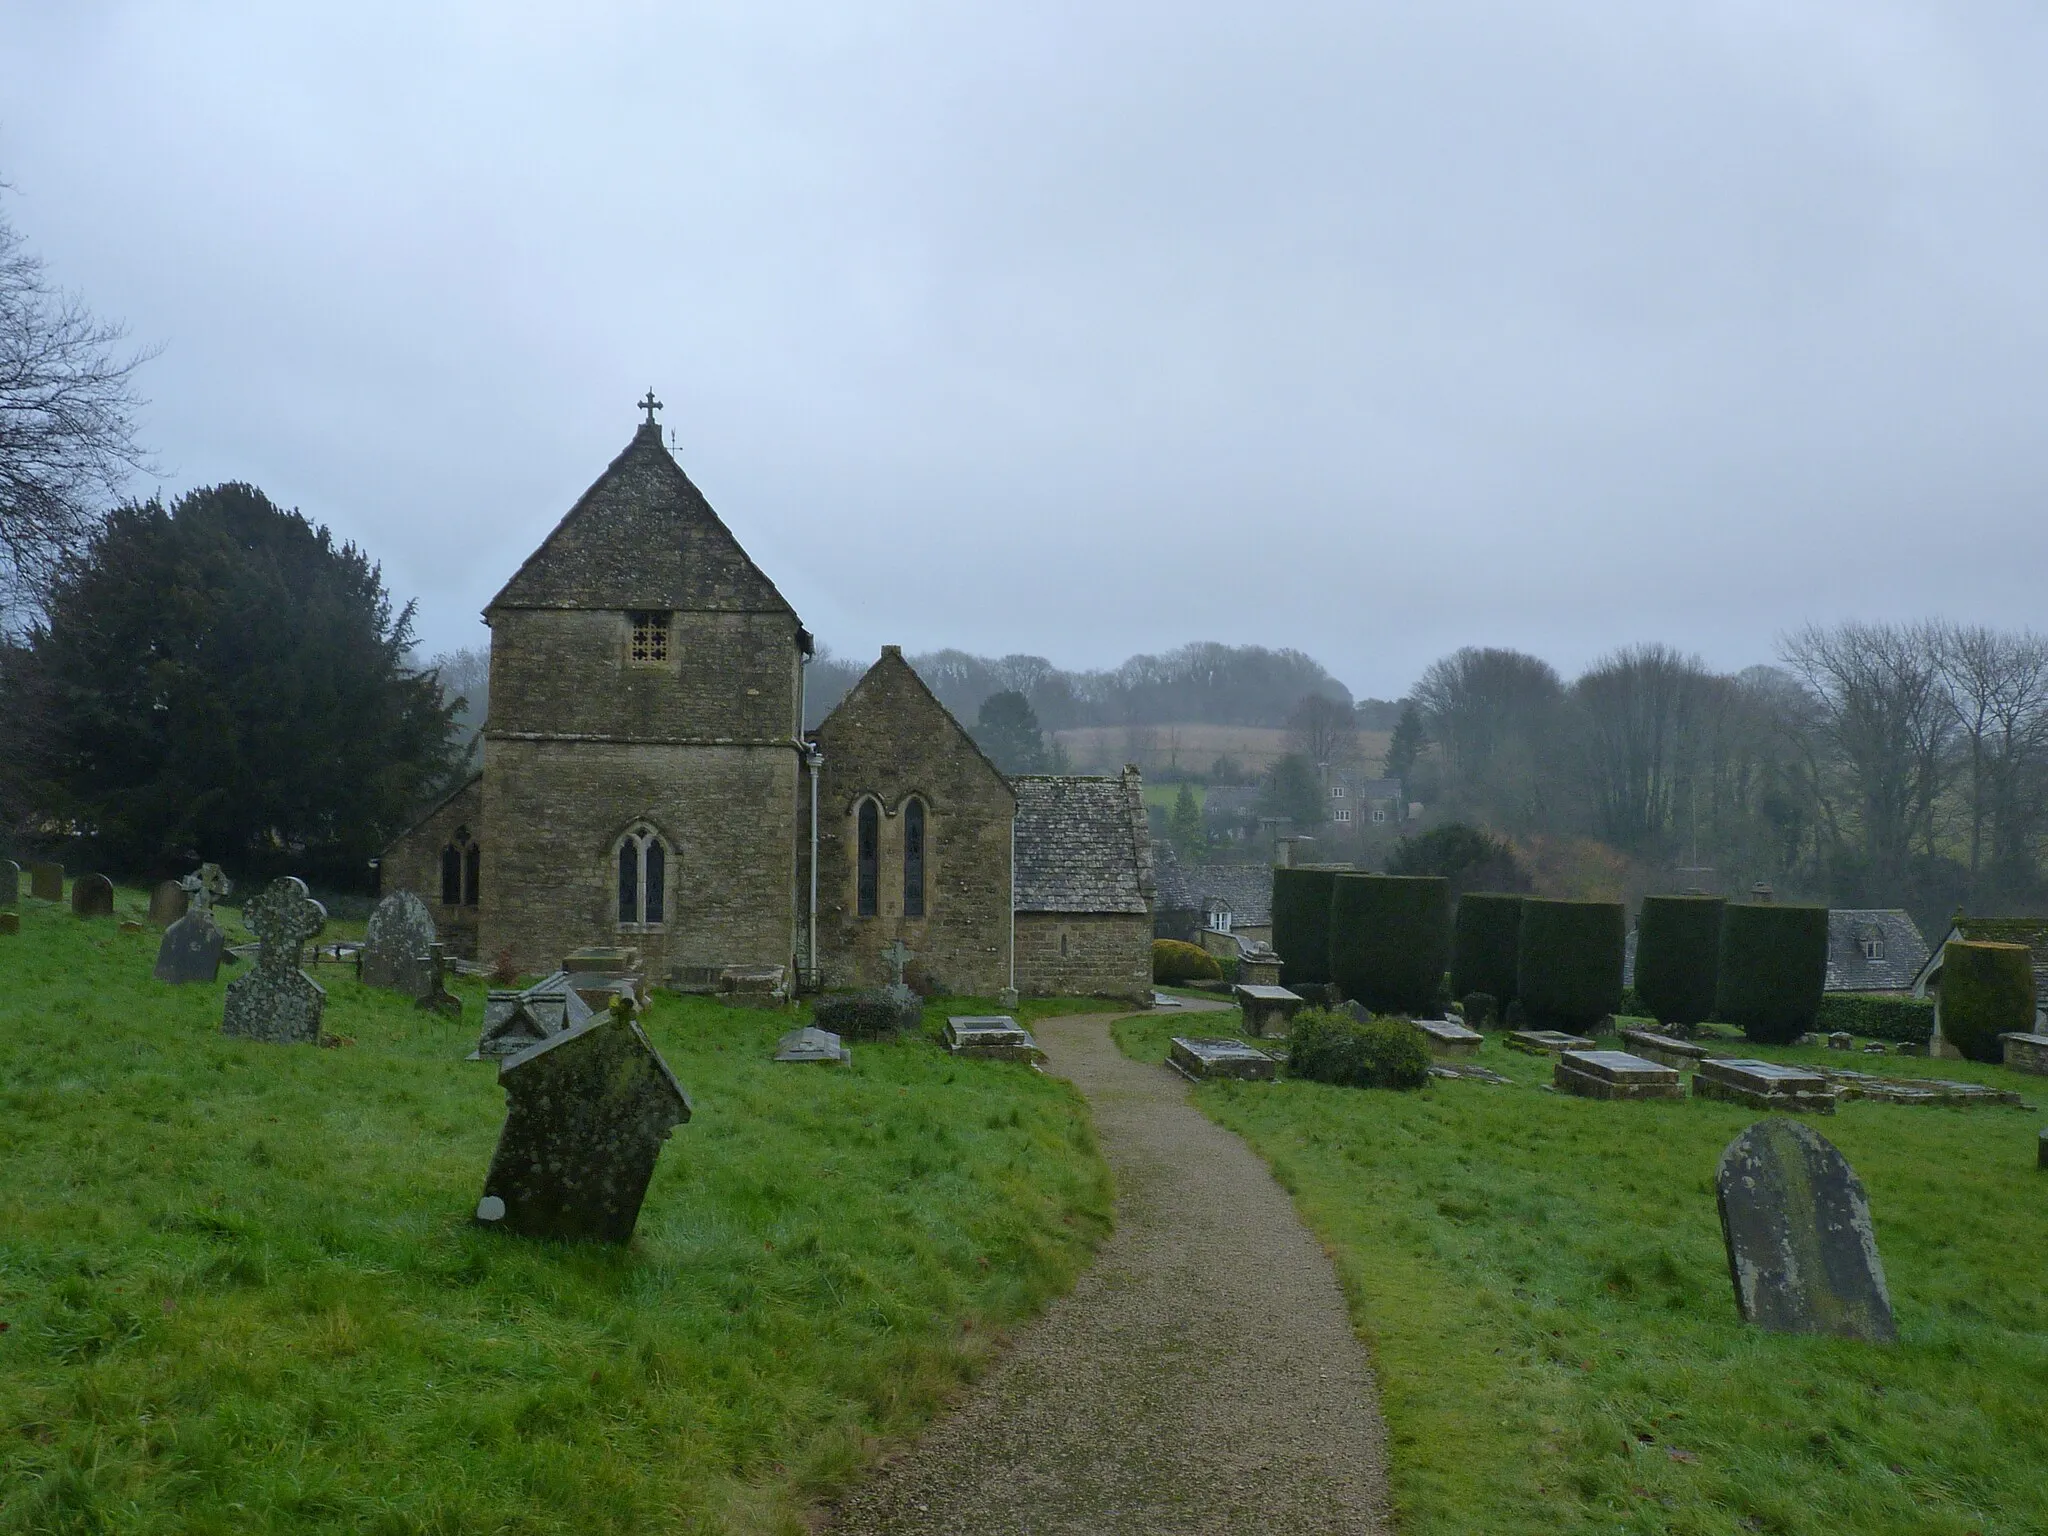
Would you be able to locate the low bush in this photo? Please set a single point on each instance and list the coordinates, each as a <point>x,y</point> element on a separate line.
<point>1568,974</point>
<point>872,1015</point>
<point>1176,962</point>
<point>1389,938</point>
<point>1483,950</point>
<point>1328,1047</point>
<point>1876,1018</point>
<point>1987,990</point>
<point>1301,923</point>
<point>1678,954</point>
<point>1774,963</point>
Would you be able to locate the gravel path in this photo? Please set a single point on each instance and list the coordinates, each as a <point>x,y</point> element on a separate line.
<point>1202,1378</point>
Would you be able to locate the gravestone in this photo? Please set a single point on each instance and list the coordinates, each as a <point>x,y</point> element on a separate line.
<point>991,1036</point>
<point>438,999</point>
<point>1466,1069</point>
<point>168,902</point>
<point>1450,1037</point>
<point>46,882</point>
<point>1665,1048</point>
<point>1259,967</point>
<point>811,1044</point>
<point>1196,1059</point>
<point>204,887</point>
<point>2041,1151</point>
<point>277,1002</point>
<point>1802,1253</point>
<point>397,944</point>
<point>2026,1053</point>
<point>1841,1040</point>
<point>92,896</point>
<point>586,1113</point>
<point>515,1021</point>
<point>1614,1075</point>
<point>192,945</point>
<point>1546,1042</point>
<point>131,926</point>
<point>1267,1010</point>
<point>10,922</point>
<point>1764,1085</point>
<point>10,885</point>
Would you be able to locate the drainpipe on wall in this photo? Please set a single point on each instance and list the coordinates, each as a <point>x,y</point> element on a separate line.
<point>815,760</point>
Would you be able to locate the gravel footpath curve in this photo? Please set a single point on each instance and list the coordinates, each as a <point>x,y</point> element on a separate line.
<point>1202,1377</point>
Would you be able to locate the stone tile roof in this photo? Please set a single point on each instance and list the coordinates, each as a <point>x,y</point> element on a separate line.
<point>1229,806</point>
<point>1905,951</point>
<point>1246,889</point>
<point>1082,844</point>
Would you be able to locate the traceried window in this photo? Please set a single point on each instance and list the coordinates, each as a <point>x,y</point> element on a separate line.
<point>649,640</point>
<point>643,879</point>
<point>461,870</point>
<point>913,859</point>
<point>868,859</point>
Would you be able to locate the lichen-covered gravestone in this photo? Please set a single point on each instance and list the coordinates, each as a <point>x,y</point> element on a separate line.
<point>277,1002</point>
<point>46,882</point>
<point>10,885</point>
<point>586,1112</point>
<point>168,902</point>
<point>515,1021</point>
<point>397,945</point>
<point>1801,1250</point>
<point>92,896</point>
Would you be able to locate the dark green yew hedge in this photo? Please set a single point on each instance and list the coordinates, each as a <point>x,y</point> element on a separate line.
<point>1987,990</point>
<point>1678,957</point>
<point>1774,963</point>
<point>1390,936</point>
<point>1569,970</point>
<point>1301,924</point>
<point>1875,1016</point>
<point>1484,949</point>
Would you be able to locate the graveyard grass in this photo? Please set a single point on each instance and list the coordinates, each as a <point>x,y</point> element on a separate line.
<point>1542,1282</point>
<point>242,1291</point>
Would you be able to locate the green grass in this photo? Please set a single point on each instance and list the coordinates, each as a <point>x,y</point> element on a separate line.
<point>1164,795</point>
<point>1542,1283</point>
<point>242,1291</point>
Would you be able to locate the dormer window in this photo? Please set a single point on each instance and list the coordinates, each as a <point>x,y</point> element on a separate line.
<point>648,641</point>
<point>1873,944</point>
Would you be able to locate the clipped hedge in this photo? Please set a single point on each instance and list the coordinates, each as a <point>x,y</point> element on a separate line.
<point>1174,961</point>
<point>1301,923</point>
<point>1328,1047</point>
<point>1876,1017</point>
<point>1774,963</point>
<point>1568,971</point>
<point>1678,957</point>
<point>1389,938</point>
<point>870,1015</point>
<point>1987,990</point>
<point>1484,950</point>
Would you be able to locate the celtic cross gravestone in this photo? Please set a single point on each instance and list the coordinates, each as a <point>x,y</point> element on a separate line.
<point>277,1002</point>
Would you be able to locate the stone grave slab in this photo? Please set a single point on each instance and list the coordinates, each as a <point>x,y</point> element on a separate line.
<point>131,926</point>
<point>1614,1075</point>
<point>753,986</point>
<point>168,902</point>
<point>1672,1052</point>
<point>1802,1253</point>
<point>1197,1059</point>
<point>1546,1042</point>
<point>516,1020</point>
<point>994,1036</point>
<point>1916,1090</point>
<point>1267,1010</point>
<point>603,959</point>
<point>277,1002</point>
<point>586,1112</point>
<point>1165,1000</point>
<point>46,882</point>
<point>1464,1069</point>
<point>397,945</point>
<point>191,949</point>
<point>811,1044</point>
<point>1450,1037</point>
<point>92,896</point>
<point>10,885</point>
<point>2026,1053</point>
<point>1764,1085</point>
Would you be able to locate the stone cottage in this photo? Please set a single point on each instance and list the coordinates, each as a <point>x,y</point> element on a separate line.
<point>647,782</point>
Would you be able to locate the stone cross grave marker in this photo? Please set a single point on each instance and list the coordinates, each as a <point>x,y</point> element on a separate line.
<point>277,1001</point>
<point>10,885</point>
<point>204,887</point>
<point>168,902</point>
<point>438,998</point>
<point>46,882</point>
<point>397,946</point>
<point>1801,1250</point>
<point>192,946</point>
<point>586,1112</point>
<point>92,896</point>
<point>898,954</point>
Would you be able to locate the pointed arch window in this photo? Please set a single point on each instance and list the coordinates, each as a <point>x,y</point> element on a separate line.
<point>642,863</point>
<point>913,858</point>
<point>461,870</point>
<point>868,859</point>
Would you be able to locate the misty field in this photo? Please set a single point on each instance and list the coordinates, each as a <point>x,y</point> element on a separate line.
<point>1188,748</point>
<point>1542,1283</point>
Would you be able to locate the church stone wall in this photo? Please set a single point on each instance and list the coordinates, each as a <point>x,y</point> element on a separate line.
<point>1085,954</point>
<point>556,809</point>
<point>413,863</point>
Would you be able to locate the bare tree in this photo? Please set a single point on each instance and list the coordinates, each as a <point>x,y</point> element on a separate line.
<point>1997,686</point>
<point>1493,714</point>
<point>67,430</point>
<point>1639,716</point>
<point>1323,731</point>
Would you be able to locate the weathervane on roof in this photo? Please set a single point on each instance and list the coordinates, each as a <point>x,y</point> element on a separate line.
<point>650,405</point>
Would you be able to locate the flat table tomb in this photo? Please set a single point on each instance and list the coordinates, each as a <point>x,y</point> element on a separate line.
<point>1614,1075</point>
<point>991,1037</point>
<point>1450,1037</point>
<point>1196,1059</point>
<point>1267,1010</point>
<point>1764,1085</point>
<point>1665,1048</point>
<point>1546,1042</point>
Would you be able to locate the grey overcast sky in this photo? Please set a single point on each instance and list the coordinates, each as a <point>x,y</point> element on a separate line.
<point>1374,329</point>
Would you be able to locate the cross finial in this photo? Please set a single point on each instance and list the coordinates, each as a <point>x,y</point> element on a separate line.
<point>650,405</point>
<point>898,954</point>
<point>283,918</point>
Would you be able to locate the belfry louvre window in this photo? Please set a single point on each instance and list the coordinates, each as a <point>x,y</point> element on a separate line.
<point>913,859</point>
<point>649,640</point>
<point>643,879</point>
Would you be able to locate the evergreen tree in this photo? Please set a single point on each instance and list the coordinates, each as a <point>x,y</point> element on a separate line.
<point>220,680</point>
<point>1007,730</point>
<point>1184,827</point>
<point>1293,791</point>
<point>1404,746</point>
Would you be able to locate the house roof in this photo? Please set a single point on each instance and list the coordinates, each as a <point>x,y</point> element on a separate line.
<point>1081,844</point>
<point>1905,951</point>
<point>1230,804</point>
<point>1245,889</point>
<point>2030,931</point>
<point>642,536</point>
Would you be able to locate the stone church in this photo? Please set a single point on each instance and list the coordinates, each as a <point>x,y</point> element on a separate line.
<point>647,781</point>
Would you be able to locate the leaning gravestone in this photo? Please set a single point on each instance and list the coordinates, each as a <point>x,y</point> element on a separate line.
<point>586,1114</point>
<point>10,885</point>
<point>192,945</point>
<point>397,945</point>
<point>46,882</point>
<point>1801,1250</point>
<point>438,999</point>
<point>277,1001</point>
<point>168,902</point>
<point>92,896</point>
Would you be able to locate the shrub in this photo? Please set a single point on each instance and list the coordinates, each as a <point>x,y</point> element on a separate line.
<point>1175,962</point>
<point>1568,970</point>
<point>870,1015</point>
<point>1877,1018</point>
<point>1327,1047</point>
<point>1389,938</point>
<point>1678,955</point>
<point>1301,923</point>
<point>1488,937</point>
<point>1481,1009</point>
<point>1468,857</point>
<point>1774,963</point>
<point>1987,990</point>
